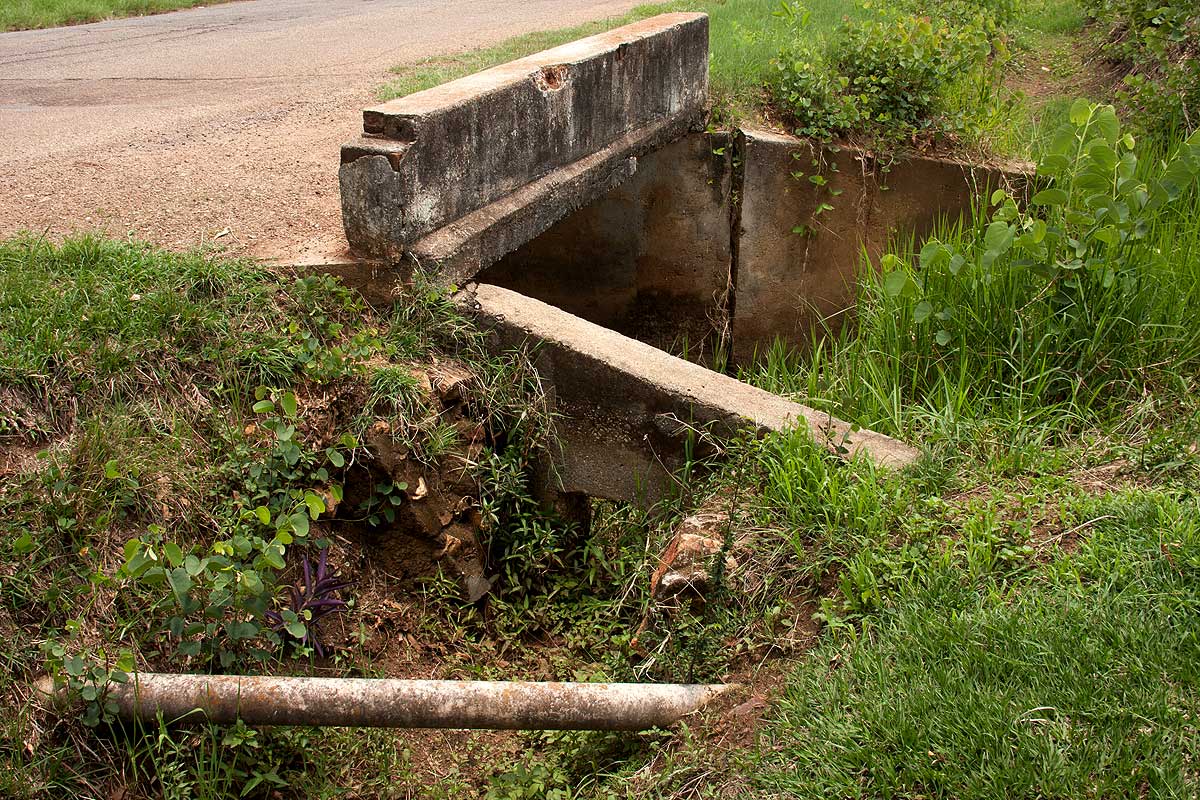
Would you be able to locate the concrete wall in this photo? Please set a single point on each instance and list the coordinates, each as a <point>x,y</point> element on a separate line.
<point>625,408</point>
<point>653,258</point>
<point>787,281</point>
<point>431,158</point>
<point>650,259</point>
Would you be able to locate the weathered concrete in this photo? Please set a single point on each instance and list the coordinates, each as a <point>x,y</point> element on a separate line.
<point>433,157</point>
<point>457,252</point>
<point>788,282</point>
<point>627,407</point>
<point>650,259</point>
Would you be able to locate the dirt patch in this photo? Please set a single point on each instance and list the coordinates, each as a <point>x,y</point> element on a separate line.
<point>1063,68</point>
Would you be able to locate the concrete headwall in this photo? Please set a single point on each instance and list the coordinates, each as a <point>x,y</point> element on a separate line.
<point>625,410</point>
<point>430,159</point>
<point>809,212</point>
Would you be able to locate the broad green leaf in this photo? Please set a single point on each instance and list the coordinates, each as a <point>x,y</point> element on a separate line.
<point>1107,124</point>
<point>241,630</point>
<point>1050,197</point>
<point>1081,111</point>
<point>264,515</point>
<point>24,543</point>
<point>288,403</point>
<point>181,582</point>
<point>263,407</point>
<point>316,505</point>
<point>942,338</point>
<point>998,237</point>
<point>1038,231</point>
<point>895,283</point>
<point>273,558</point>
<point>1054,165</point>
<point>1093,181</point>
<point>934,254</point>
<point>73,666</point>
<point>297,629</point>
<point>922,311</point>
<point>173,553</point>
<point>251,582</point>
<point>1103,155</point>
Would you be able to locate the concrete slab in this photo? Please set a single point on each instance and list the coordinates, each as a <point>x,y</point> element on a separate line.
<point>788,281</point>
<point>433,157</point>
<point>627,406</point>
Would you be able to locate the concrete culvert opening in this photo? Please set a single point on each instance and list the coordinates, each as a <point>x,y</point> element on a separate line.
<point>602,216</point>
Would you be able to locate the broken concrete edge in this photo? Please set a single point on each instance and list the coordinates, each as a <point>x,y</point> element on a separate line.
<point>388,119</point>
<point>1016,170</point>
<point>430,158</point>
<point>636,384</point>
<point>385,119</point>
<point>376,281</point>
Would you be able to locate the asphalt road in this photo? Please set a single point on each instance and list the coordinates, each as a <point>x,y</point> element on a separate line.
<point>219,123</point>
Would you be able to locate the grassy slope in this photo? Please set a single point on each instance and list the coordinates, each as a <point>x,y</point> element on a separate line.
<point>19,15</point>
<point>1078,678</point>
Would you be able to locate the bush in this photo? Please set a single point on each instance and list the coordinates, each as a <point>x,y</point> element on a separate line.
<point>1158,41</point>
<point>889,76</point>
<point>1086,297</point>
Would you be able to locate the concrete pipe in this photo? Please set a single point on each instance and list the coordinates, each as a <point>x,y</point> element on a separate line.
<point>391,703</point>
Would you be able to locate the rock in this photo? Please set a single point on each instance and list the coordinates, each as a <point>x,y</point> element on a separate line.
<point>686,562</point>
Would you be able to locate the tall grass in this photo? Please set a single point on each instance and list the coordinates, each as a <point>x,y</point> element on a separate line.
<point>958,331</point>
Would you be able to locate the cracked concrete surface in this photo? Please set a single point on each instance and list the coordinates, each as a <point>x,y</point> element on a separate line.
<point>178,127</point>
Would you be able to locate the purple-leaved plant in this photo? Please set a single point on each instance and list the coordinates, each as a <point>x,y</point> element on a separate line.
<point>314,594</point>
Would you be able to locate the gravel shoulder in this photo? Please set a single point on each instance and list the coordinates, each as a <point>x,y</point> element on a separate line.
<point>219,125</point>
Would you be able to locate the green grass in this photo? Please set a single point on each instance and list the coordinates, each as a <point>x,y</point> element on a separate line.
<point>19,15</point>
<point>744,36</point>
<point>1079,680</point>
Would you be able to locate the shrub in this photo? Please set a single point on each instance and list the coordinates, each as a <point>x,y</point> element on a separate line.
<point>889,76</point>
<point>1158,42</point>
